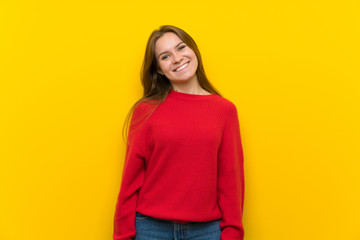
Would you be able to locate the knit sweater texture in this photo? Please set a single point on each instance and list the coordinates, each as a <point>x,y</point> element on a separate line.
<point>184,163</point>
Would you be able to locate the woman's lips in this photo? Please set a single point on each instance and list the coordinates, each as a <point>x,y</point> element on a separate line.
<point>181,67</point>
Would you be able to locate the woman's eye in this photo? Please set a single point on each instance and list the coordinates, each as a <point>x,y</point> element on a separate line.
<point>164,57</point>
<point>181,47</point>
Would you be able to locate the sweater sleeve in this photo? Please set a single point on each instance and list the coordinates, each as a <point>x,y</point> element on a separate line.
<point>231,179</point>
<point>132,179</point>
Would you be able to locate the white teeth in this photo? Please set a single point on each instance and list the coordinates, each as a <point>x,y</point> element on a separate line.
<point>182,67</point>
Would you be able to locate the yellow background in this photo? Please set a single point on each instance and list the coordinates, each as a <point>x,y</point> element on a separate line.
<point>69,73</point>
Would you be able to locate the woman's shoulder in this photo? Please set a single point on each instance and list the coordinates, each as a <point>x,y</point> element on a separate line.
<point>226,104</point>
<point>143,108</point>
<point>145,104</point>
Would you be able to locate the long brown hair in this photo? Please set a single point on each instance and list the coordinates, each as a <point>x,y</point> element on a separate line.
<point>157,86</point>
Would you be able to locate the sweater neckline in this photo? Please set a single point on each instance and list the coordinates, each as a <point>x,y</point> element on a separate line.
<point>189,96</point>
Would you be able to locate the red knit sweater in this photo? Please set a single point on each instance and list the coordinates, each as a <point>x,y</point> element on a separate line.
<point>184,163</point>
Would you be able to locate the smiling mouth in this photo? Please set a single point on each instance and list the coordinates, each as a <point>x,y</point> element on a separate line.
<point>181,67</point>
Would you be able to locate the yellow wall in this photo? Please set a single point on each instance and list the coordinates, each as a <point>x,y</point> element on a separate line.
<point>69,72</point>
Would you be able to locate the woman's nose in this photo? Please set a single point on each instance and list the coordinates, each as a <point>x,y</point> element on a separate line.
<point>177,57</point>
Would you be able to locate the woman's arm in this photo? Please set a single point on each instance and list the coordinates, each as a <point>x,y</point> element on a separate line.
<point>132,179</point>
<point>231,179</point>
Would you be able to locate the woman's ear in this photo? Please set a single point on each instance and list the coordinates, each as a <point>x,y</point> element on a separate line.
<point>160,72</point>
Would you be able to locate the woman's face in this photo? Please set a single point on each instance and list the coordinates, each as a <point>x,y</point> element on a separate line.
<point>175,59</point>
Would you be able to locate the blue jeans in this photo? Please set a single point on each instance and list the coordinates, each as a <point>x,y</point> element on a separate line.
<point>149,228</point>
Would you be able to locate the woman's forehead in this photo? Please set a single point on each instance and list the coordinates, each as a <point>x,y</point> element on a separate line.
<point>166,42</point>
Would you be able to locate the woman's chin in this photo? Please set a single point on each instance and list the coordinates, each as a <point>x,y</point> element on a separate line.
<point>184,78</point>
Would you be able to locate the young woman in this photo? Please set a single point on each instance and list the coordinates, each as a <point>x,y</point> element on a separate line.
<point>183,175</point>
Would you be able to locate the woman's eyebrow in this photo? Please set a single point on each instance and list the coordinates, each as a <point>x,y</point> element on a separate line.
<point>174,47</point>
